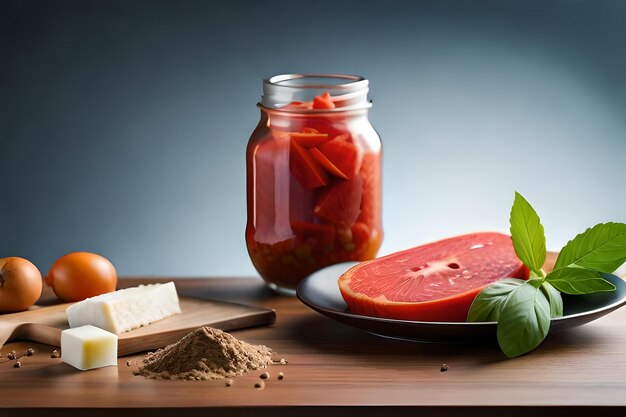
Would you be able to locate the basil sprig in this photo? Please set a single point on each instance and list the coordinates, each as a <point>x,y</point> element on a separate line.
<point>529,239</point>
<point>523,308</point>
<point>600,248</point>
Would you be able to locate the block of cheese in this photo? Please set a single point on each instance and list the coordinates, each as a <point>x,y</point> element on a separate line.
<point>88,347</point>
<point>126,309</point>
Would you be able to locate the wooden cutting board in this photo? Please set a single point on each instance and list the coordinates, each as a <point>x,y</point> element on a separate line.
<point>44,324</point>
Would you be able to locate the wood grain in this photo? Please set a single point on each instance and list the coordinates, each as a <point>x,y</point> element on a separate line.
<point>334,369</point>
<point>44,324</point>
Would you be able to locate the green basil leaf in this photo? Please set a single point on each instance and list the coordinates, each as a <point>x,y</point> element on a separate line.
<point>524,320</point>
<point>575,281</point>
<point>554,298</point>
<point>528,236</point>
<point>602,247</point>
<point>486,305</point>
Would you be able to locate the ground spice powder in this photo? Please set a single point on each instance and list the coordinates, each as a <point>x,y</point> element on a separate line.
<point>205,353</point>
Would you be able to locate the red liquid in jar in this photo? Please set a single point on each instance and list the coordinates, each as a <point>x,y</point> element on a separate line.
<point>314,191</point>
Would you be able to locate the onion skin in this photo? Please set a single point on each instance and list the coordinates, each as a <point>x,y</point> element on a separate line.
<point>80,275</point>
<point>20,284</point>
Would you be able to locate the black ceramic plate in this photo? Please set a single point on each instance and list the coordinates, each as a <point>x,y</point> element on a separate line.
<point>320,292</point>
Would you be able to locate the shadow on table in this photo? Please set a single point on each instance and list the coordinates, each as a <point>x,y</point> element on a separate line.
<point>325,335</point>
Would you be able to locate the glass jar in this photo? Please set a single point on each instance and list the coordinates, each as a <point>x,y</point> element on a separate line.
<point>313,178</point>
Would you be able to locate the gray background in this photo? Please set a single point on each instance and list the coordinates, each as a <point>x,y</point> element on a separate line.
<point>123,125</point>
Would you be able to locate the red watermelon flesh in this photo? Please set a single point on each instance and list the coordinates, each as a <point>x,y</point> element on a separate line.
<point>370,203</point>
<point>329,166</point>
<point>340,204</point>
<point>305,169</point>
<point>434,282</point>
<point>271,192</point>
<point>309,139</point>
<point>343,154</point>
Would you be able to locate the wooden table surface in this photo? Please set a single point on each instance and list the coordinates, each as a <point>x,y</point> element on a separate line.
<point>339,370</point>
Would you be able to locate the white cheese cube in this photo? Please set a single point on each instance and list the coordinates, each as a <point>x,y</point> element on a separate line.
<point>126,309</point>
<point>88,347</point>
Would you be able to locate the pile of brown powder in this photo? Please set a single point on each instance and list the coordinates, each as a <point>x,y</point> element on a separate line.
<point>205,353</point>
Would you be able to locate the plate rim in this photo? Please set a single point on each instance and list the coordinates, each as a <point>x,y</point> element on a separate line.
<point>333,312</point>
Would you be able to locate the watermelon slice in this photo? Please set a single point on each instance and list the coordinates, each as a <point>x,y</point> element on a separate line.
<point>433,282</point>
<point>304,168</point>
<point>325,162</point>
<point>310,139</point>
<point>340,204</point>
<point>323,101</point>
<point>343,154</point>
<point>370,203</point>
